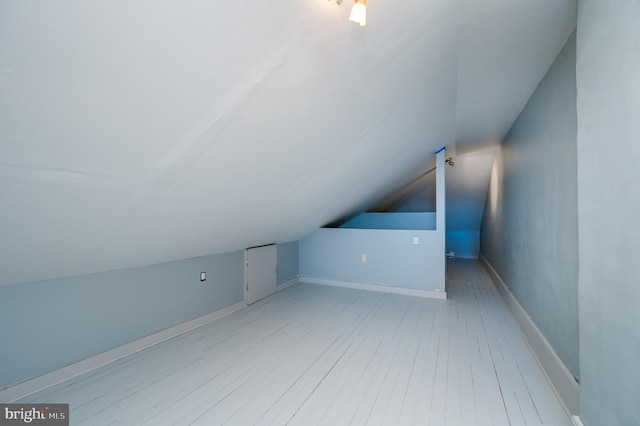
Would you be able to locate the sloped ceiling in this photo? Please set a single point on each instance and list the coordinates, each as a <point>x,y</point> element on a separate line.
<point>502,45</point>
<point>138,132</point>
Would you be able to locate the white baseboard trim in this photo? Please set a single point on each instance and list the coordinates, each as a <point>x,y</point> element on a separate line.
<point>576,421</point>
<point>375,287</point>
<point>293,281</point>
<point>31,386</point>
<point>561,379</point>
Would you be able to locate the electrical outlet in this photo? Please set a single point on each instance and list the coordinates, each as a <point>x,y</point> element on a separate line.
<point>416,241</point>
<point>364,258</point>
<point>203,276</point>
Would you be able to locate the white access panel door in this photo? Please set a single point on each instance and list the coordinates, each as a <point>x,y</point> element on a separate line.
<point>262,263</point>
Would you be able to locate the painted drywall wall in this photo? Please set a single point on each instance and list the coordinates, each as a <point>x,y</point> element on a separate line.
<point>412,220</point>
<point>392,258</point>
<point>529,232</point>
<point>465,244</point>
<point>412,259</point>
<point>608,81</point>
<point>51,324</point>
<point>287,261</point>
<point>467,185</point>
<point>466,193</point>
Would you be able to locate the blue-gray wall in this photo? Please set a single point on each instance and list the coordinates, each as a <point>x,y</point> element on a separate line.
<point>48,325</point>
<point>529,231</point>
<point>393,220</point>
<point>392,258</point>
<point>608,79</point>
<point>465,244</point>
<point>287,261</point>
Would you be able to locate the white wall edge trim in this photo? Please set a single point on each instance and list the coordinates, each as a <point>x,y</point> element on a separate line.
<point>293,281</point>
<point>576,421</point>
<point>31,386</point>
<point>375,287</point>
<point>558,375</point>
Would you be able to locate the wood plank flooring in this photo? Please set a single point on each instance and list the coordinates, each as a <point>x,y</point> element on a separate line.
<point>315,354</point>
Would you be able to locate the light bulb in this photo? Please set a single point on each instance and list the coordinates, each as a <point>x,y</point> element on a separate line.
<point>359,12</point>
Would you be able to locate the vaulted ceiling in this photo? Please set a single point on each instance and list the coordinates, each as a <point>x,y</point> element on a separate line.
<point>138,132</point>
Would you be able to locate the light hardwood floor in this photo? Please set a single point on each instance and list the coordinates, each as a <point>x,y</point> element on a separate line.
<point>314,354</point>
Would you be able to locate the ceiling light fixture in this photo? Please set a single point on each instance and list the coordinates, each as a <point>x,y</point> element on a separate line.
<point>359,12</point>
